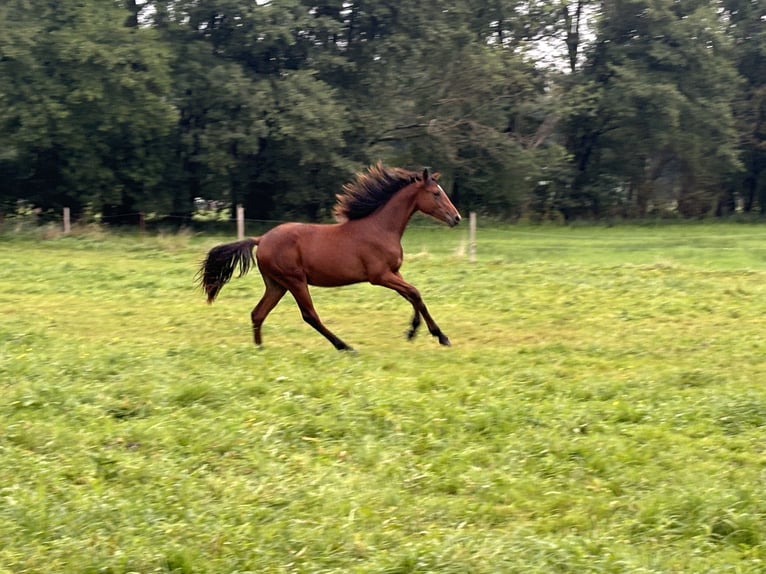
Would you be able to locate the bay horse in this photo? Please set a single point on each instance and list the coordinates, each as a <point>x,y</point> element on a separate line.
<point>364,245</point>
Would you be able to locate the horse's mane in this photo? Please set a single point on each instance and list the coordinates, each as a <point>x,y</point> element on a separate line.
<point>371,189</point>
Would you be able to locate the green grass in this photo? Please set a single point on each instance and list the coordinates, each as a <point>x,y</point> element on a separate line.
<point>602,409</point>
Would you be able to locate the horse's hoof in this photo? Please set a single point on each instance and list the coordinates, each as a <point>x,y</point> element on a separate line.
<point>443,340</point>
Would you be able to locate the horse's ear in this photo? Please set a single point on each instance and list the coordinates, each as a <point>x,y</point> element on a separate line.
<point>426,175</point>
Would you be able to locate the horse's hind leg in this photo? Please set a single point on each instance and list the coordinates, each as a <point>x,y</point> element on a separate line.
<point>300,291</point>
<point>274,292</point>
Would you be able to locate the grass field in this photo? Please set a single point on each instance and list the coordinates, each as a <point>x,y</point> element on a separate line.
<point>602,409</point>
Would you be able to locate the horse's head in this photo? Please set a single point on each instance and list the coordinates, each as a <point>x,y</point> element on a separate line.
<point>432,200</point>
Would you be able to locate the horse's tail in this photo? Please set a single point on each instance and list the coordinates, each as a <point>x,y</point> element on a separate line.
<point>220,263</point>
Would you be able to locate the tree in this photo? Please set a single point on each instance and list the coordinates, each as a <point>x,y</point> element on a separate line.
<point>582,107</point>
<point>84,107</point>
<point>660,125</point>
<point>258,124</point>
<point>430,83</point>
<point>745,25</point>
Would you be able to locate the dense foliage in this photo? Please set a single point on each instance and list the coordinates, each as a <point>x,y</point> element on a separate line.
<point>537,108</point>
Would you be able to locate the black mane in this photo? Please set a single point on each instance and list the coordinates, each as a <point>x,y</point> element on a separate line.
<point>370,190</point>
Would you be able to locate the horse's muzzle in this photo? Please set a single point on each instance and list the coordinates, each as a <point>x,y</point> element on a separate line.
<point>453,220</point>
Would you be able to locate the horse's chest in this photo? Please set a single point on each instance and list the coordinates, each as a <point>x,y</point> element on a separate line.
<point>393,257</point>
<point>398,262</point>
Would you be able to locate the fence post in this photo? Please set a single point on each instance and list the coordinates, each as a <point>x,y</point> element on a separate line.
<point>472,237</point>
<point>67,221</point>
<point>141,223</point>
<point>240,222</point>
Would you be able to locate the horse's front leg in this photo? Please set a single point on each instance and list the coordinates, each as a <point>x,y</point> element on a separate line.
<point>414,325</point>
<point>393,280</point>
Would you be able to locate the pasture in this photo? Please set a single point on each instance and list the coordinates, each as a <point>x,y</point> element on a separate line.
<point>602,409</point>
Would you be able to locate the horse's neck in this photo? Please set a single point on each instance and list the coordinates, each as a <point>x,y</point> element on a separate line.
<point>397,211</point>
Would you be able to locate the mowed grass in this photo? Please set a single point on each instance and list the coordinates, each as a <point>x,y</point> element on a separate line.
<point>602,409</point>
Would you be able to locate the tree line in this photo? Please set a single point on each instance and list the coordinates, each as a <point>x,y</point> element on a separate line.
<point>544,109</point>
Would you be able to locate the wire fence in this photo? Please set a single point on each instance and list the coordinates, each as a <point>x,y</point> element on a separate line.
<point>219,223</point>
<point>212,222</point>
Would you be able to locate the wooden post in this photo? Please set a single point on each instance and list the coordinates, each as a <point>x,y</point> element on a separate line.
<point>141,223</point>
<point>472,237</point>
<point>240,222</point>
<point>67,221</point>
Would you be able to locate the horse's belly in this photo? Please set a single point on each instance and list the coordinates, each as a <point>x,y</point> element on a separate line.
<point>325,255</point>
<point>334,274</point>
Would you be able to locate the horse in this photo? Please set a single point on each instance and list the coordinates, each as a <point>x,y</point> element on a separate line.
<point>363,245</point>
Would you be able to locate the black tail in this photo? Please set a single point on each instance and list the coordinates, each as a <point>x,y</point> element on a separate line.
<point>220,263</point>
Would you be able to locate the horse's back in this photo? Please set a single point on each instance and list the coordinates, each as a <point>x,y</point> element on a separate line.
<point>291,235</point>
<point>324,254</point>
